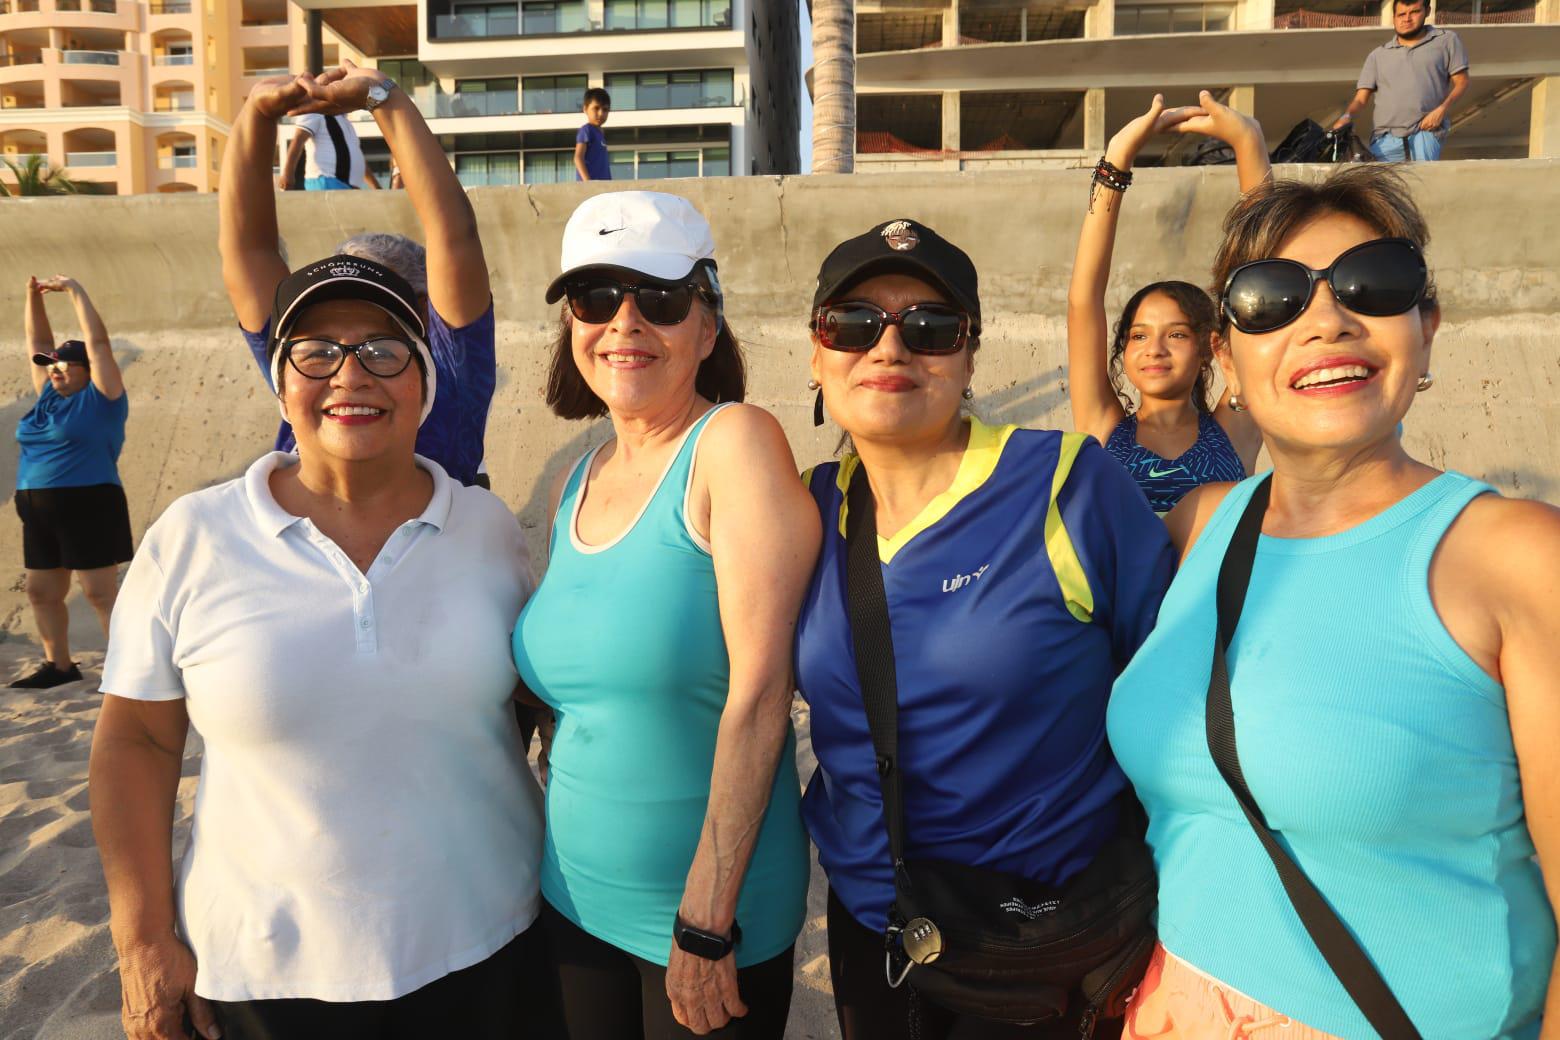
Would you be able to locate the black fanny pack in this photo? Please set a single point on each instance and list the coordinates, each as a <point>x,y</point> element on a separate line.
<point>982,942</point>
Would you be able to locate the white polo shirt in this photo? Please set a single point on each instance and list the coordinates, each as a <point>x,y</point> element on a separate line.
<point>365,822</point>
<point>332,149</point>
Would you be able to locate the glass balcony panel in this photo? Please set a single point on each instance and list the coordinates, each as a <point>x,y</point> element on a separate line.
<point>717,162</point>
<point>171,7</point>
<point>173,59</point>
<point>91,158</point>
<point>622,165</point>
<point>89,57</point>
<point>549,167</point>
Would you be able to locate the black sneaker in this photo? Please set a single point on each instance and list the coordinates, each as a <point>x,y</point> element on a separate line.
<point>48,676</point>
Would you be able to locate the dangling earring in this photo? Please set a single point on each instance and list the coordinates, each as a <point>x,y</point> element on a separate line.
<point>1426,381</point>
<point>1235,405</point>
<point>969,395</point>
<point>813,384</point>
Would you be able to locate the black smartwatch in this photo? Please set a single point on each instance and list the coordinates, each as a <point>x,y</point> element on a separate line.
<point>704,944</point>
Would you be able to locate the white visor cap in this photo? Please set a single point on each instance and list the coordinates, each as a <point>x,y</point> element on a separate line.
<point>647,232</point>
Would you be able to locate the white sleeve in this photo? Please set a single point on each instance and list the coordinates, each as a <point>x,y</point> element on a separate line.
<point>139,664</point>
<point>310,123</point>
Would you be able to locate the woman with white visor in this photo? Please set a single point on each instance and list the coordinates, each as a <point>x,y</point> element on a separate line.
<point>334,624</point>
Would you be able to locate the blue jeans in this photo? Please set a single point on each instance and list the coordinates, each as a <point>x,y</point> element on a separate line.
<point>1419,146</point>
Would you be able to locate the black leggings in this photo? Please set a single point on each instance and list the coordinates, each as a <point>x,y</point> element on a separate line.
<point>869,1010</point>
<point>510,996</point>
<point>612,995</point>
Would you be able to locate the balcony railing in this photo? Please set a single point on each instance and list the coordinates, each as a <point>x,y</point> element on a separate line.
<point>173,59</point>
<point>177,162</point>
<point>91,158</point>
<point>1478,16</point>
<point>566,18</point>
<point>174,103</point>
<point>95,6</point>
<point>282,71</point>
<point>503,22</point>
<point>1302,18</point>
<point>18,6</point>
<point>22,158</point>
<point>1144,19</point>
<point>459,105</point>
<point>89,57</point>
<point>23,58</point>
<point>14,101</point>
<point>170,6</point>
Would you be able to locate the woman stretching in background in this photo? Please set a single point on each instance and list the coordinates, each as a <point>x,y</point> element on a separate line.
<point>1174,439</point>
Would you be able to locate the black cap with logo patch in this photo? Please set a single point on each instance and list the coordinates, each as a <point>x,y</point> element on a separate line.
<point>71,350</point>
<point>907,247</point>
<point>342,278</point>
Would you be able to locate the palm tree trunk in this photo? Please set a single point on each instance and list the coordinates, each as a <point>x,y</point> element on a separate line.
<point>834,86</point>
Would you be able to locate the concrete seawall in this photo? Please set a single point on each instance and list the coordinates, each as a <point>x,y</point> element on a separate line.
<point>200,412</point>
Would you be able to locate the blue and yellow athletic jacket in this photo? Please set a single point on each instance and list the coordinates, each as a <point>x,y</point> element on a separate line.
<point>1015,597</point>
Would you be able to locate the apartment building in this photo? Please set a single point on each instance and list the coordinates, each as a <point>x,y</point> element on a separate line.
<point>980,84</point>
<point>130,96</point>
<point>699,87</point>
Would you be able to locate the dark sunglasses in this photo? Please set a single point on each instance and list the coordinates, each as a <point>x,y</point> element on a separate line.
<point>925,328</point>
<point>382,356</point>
<point>595,300</point>
<point>1378,279</point>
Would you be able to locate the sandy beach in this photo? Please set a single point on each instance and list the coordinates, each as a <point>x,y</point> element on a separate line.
<point>57,975</point>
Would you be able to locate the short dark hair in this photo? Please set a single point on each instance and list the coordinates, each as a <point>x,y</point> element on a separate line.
<point>596,94</point>
<point>1410,3</point>
<point>1201,314</point>
<point>721,377</point>
<point>1372,193</point>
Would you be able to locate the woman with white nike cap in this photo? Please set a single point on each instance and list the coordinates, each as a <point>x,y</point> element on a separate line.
<point>367,832</point>
<point>674,876</point>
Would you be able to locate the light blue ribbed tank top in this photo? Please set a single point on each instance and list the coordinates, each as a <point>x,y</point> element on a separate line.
<point>624,641</point>
<point>1380,752</point>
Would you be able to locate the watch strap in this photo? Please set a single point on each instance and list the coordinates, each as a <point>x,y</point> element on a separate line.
<point>705,944</point>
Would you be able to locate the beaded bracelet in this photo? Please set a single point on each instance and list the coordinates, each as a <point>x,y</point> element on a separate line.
<point>1112,177</point>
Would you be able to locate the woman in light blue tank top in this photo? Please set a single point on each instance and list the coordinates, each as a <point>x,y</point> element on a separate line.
<point>1392,673</point>
<point>674,875</point>
<point>1176,437</point>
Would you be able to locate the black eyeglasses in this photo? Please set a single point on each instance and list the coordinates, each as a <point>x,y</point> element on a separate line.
<point>1378,279</point>
<point>595,300</point>
<point>925,328</point>
<point>316,358</point>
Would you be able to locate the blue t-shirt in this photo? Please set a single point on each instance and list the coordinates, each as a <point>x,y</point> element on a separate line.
<point>467,369</point>
<point>1006,642</point>
<point>597,162</point>
<point>71,441</point>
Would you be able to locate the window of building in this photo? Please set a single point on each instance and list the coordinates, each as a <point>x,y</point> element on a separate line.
<point>408,73</point>
<point>542,94</point>
<point>549,167</point>
<point>666,14</point>
<point>696,88</point>
<point>553,16</point>
<point>478,20</point>
<point>485,97</point>
<point>485,169</point>
<point>1143,19</point>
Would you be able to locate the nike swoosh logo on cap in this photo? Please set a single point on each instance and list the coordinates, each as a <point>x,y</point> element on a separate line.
<point>612,231</point>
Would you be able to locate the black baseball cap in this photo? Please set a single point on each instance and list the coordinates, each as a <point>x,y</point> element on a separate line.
<point>905,246</point>
<point>71,350</point>
<point>343,278</point>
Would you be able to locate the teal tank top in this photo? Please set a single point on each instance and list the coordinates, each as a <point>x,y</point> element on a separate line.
<point>1376,748</point>
<point>624,641</point>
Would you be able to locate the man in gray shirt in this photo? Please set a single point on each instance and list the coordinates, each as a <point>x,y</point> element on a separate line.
<point>1417,75</point>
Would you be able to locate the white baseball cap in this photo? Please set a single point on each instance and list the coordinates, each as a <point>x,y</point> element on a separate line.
<point>647,233</point>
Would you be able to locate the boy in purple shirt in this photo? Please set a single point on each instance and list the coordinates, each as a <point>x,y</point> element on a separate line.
<point>591,162</point>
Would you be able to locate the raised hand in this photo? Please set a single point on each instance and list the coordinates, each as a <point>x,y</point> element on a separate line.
<point>1213,119</point>
<point>337,91</point>
<point>32,284</point>
<point>1130,139</point>
<point>59,283</point>
<point>275,96</point>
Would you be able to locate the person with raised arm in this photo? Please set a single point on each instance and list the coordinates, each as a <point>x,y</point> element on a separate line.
<point>449,277</point>
<point>68,496</point>
<point>1175,436</point>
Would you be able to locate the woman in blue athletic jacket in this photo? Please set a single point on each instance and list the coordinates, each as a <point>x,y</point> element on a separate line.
<point>1022,569</point>
<point>1176,436</point>
<point>1391,675</point>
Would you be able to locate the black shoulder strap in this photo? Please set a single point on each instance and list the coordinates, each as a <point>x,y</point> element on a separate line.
<point>873,640</point>
<point>338,141</point>
<point>1338,947</point>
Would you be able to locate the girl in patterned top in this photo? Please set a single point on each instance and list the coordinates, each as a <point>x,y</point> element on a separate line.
<point>1173,439</point>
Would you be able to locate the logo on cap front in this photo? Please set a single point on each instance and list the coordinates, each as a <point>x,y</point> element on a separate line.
<point>346,271</point>
<point>900,235</point>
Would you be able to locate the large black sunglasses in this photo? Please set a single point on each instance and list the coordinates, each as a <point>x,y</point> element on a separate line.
<point>595,300</point>
<point>316,358</point>
<point>925,328</point>
<point>1381,278</point>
